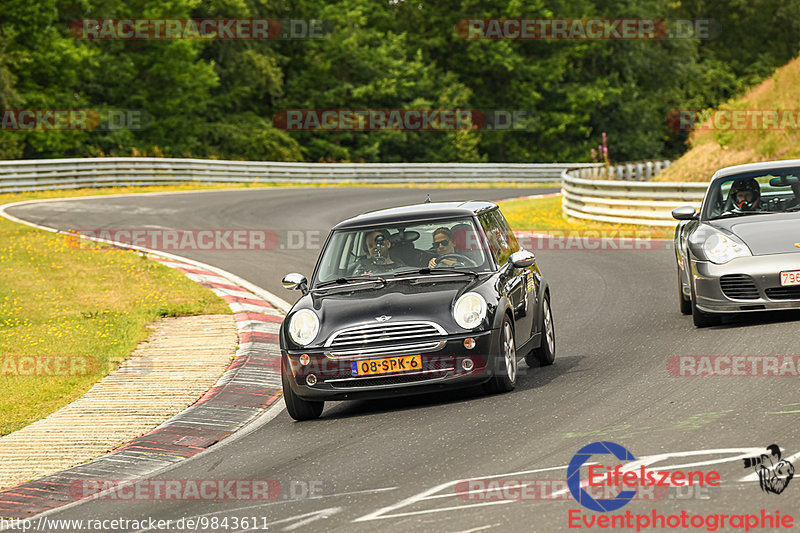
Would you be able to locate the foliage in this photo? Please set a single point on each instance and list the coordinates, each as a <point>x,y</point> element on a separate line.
<point>217,98</point>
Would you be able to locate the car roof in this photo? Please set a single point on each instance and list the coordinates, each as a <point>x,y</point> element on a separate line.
<point>417,212</point>
<point>755,167</point>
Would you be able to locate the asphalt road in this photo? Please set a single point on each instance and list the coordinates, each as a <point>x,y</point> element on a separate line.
<point>393,465</point>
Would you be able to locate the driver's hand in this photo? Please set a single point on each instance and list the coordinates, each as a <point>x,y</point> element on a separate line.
<point>432,263</point>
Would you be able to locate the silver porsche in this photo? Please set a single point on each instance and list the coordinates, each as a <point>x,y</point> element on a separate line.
<point>741,251</point>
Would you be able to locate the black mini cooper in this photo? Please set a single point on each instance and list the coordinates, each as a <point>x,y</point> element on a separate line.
<point>412,300</point>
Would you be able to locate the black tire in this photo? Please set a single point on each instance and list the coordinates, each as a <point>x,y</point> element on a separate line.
<point>298,408</point>
<point>700,318</point>
<point>545,354</point>
<point>503,378</point>
<point>686,304</point>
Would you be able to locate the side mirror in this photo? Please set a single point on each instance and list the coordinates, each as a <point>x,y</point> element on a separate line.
<point>522,259</point>
<point>684,212</point>
<point>294,281</point>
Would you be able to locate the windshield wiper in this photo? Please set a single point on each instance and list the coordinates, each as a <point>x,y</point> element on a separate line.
<point>448,270</point>
<point>347,281</point>
<point>728,214</point>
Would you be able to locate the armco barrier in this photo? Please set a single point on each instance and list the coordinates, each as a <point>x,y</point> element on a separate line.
<point>626,202</point>
<point>639,171</point>
<point>43,174</point>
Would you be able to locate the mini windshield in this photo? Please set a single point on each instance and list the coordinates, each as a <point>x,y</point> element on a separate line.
<point>754,193</point>
<point>392,249</point>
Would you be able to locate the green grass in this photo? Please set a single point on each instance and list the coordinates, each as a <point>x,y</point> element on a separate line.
<point>59,299</point>
<point>712,149</point>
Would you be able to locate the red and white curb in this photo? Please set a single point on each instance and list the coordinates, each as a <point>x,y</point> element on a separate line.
<point>246,391</point>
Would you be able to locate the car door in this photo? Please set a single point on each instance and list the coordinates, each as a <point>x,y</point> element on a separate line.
<point>517,283</point>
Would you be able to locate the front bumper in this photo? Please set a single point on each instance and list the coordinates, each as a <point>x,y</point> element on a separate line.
<point>764,270</point>
<point>441,368</point>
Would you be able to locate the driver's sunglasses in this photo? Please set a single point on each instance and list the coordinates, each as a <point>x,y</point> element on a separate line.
<point>437,244</point>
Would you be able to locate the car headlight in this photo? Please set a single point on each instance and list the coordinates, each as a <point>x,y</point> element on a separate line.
<point>720,249</point>
<point>303,327</point>
<point>470,310</point>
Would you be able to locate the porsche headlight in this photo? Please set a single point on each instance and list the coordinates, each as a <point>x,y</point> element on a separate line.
<point>470,310</point>
<point>303,327</point>
<point>720,249</point>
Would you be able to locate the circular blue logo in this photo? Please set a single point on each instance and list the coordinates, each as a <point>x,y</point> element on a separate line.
<point>574,476</point>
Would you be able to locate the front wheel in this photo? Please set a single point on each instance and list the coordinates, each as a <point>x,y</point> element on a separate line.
<point>505,377</point>
<point>545,354</point>
<point>298,408</point>
<point>686,304</point>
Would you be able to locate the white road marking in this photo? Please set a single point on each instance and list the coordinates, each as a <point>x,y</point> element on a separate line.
<point>277,502</point>
<point>732,454</point>
<point>481,528</point>
<point>429,495</point>
<point>753,477</point>
<point>307,518</point>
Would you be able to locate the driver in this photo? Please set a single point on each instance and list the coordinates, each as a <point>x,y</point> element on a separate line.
<point>443,246</point>
<point>380,259</point>
<point>746,194</point>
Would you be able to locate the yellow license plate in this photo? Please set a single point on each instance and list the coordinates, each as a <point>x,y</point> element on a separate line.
<point>369,367</point>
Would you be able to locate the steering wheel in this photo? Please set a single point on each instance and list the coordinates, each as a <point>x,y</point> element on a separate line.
<point>461,260</point>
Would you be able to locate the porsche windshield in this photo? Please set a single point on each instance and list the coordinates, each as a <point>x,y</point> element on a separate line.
<point>392,249</point>
<point>754,193</point>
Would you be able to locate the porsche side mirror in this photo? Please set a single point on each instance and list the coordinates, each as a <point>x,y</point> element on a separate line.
<point>684,212</point>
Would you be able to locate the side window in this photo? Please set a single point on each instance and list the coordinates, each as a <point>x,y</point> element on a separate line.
<point>498,236</point>
<point>509,236</point>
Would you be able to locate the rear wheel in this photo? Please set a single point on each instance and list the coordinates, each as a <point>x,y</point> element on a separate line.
<point>505,375</point>
<point>545,354</point>
<point>700,318</point>
<point>298,408</point>
<point>686,303</point>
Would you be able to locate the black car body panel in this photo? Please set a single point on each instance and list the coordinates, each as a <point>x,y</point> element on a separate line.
<point>411,313</point>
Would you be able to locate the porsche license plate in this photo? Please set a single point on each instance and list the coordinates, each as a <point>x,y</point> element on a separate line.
<point>791,277</point>
<point>386,365</point>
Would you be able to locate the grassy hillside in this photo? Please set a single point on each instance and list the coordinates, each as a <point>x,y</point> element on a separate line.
<point>758,140</point>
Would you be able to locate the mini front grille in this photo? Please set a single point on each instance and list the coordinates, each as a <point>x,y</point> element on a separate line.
<point>384,333</point>
<point>784,293</point>
<point>739,287</point>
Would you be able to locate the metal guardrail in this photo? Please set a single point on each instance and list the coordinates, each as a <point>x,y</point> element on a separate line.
<point>44,174</point>
<point>626,202</point>
<point>637,171</point>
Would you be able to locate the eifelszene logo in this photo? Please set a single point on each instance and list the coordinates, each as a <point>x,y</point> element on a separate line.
<point>774,473</point>
<point>629,477</point>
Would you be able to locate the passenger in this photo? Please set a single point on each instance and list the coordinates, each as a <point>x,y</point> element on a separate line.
<point>443,245</point>
<point>380,259</point>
